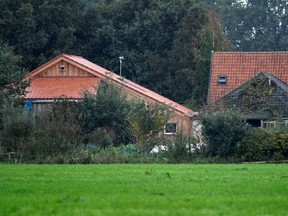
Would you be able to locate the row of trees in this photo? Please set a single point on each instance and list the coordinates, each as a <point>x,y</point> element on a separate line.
<point>76,133</point>
<point>253,25</point>
<point>166,44</point>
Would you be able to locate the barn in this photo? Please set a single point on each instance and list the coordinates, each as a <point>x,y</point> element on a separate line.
<point>68,76</point>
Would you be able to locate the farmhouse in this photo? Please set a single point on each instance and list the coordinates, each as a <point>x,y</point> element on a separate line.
<point>68,76</point>
<point>254,82</point>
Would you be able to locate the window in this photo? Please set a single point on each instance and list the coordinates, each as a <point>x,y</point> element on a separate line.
<point>254,122</point>
<point>222,80</point>
<point>170,128</point>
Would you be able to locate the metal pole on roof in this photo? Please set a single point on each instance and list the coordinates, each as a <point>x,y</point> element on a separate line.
<point>121,58</point>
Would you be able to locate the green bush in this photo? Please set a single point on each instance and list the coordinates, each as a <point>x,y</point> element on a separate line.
<point>18,128</point>
<point>108,110</point>
<point>57,131</point>
<point>222,131</point>
<point>122,154</point>
<point>178,149</point>
<point>263,145</point>
<point>254,146</point>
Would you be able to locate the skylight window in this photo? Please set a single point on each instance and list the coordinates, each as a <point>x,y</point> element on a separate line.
<point>222,80</point>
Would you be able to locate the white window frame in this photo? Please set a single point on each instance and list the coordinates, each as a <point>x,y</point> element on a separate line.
<point>171,133</point>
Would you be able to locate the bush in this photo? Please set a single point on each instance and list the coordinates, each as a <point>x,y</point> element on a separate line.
<point>263,145</point>
<point>254,146</point>
<point>222,131</point>
<point>122,154</point>
<point>178,149</point>
<point>107,110</point>
<point>57,131</point>
<point>18,128</point>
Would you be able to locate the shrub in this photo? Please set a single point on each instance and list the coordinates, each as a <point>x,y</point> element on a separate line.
<point>124,120</point>
<point>254,146</point>
<point>222,131</point>
<point>146,121</point>
<point>263,145</point>
<point>18,129</point>
<point>107,109</point>
<point>57,130</point>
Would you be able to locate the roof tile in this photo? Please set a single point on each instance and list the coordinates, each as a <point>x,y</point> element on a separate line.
<point>239,67</point>
<point>58,87</point>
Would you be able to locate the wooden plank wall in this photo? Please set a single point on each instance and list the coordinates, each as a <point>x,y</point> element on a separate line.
<point>41,107</point>
<point>63,68</point>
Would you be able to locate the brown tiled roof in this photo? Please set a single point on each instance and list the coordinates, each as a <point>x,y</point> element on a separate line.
<point>102,73</point>
<point>240,67</point>
<point>46,88</point>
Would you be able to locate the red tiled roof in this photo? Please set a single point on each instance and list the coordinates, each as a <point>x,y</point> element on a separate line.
<point>240,67</point>
<point>46,88</point>
<point>103,73</point>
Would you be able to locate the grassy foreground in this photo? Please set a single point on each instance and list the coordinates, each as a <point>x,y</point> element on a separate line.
<point>143,189</point>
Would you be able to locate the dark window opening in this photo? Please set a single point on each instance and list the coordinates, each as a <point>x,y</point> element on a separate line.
<point>254,122</point>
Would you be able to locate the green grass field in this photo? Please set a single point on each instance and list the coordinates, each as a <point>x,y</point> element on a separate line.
<point>143,189</point>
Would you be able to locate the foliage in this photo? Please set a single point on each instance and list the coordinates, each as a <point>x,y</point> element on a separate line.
<point>263,145</point>
<point>108,110</point>
<point>167,42</point>
<point>256,94</point>
<point>10,72</point>
<point>110,115</point>
<point>10,76</point>
<point>18,128</point>
<point>253,25</point>
<point>223,130</point>
<point>40,29</point>
<point>178,149</point>
<point>147,120</point>
<point>57,130</point>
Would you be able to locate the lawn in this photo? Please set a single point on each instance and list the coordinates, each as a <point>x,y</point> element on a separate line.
<point>144,189</point>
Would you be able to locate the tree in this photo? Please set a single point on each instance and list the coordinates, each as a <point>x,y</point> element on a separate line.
<point>110,114</point>
<point>159,40</point>
<point>39,30</point>
<point>10,76</point>
<point>106,110</point>
<point>151,35</point>
<point>254,25</point>
<point>10,72</point>
<point>190,56</point>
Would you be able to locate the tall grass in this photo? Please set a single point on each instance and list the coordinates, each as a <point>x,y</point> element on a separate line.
<point>144,189</point>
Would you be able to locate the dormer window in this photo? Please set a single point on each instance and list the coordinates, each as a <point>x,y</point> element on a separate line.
<point>222,80</point>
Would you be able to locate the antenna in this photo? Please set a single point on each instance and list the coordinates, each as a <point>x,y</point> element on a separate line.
<point>121,58</point>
